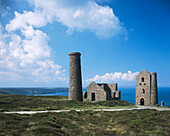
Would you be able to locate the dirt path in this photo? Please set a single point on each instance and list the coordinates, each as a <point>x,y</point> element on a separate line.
<point>57,111</point>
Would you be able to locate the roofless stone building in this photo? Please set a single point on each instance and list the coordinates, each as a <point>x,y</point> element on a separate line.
<point>146,88</point>
<point>102,92</point>
<point>75,81</point>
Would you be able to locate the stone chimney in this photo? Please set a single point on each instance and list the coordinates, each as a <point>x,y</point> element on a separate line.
<point>75,81</point>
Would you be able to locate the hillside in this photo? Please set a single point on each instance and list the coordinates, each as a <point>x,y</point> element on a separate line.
<point>35,103</point>
<point>88,123</point>
<point>85,123</point>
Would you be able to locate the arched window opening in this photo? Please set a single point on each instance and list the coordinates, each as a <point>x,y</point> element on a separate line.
<point>142,79</point>
<point>143,90</point>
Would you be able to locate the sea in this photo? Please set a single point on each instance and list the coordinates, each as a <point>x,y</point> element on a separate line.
<point>127,94</point>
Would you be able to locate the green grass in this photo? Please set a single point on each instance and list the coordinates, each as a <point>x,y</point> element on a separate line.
<point>87,123</point>
<point>37,103</point>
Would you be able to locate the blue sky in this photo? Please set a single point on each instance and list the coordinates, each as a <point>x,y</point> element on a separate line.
<point>117,40</point>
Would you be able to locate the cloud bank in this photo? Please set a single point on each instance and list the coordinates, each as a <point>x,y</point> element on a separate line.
<point>117,76</point>
<point>28,57</point>
<point>75,15</point>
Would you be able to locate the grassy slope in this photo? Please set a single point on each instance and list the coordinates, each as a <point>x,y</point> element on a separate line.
<point>127,123</point>
<point>19,103</point>
<point>138,122</point>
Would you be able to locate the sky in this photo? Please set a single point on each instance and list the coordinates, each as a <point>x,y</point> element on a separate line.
<point>117,39</point>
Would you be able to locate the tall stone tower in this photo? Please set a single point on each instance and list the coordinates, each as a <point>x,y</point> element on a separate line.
<point>146,89</point>
<point>154,90</point>
<point>75,81</point>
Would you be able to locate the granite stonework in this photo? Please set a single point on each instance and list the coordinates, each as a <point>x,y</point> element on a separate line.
<point>75,80</point>
<point>146,89</point>
<point>101,92</point>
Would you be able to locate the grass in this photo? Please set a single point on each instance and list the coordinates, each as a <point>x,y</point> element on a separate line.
<point>87,123</point>
<point>37,103</point>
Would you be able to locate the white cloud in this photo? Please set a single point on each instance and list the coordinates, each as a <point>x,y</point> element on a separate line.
<point>28,56</point>
<point>26,19</point>
<point>117,76</point>
<point>83,15</point>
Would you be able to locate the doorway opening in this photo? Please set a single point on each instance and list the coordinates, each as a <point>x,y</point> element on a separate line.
<point>141,101</point>
<point>92,96</point>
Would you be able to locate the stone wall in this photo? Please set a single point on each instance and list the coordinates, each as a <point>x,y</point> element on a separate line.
<point>143,88</point>
<point>116,95</point>
<point>154,92</point>
<point>113,86</point>
<point>146,89</point>
<point>100,94</point>
<point>106,89</point>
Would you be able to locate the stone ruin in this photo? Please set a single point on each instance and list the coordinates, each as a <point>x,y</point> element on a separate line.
<point>146,86</point>
<point>146,89</point>
<point>102,92</point>
<point>96,92</point>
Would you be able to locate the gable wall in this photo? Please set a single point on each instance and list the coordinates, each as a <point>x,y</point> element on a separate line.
<point>100,94</point>
<point>113,86</point>
<point>143,85</point>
